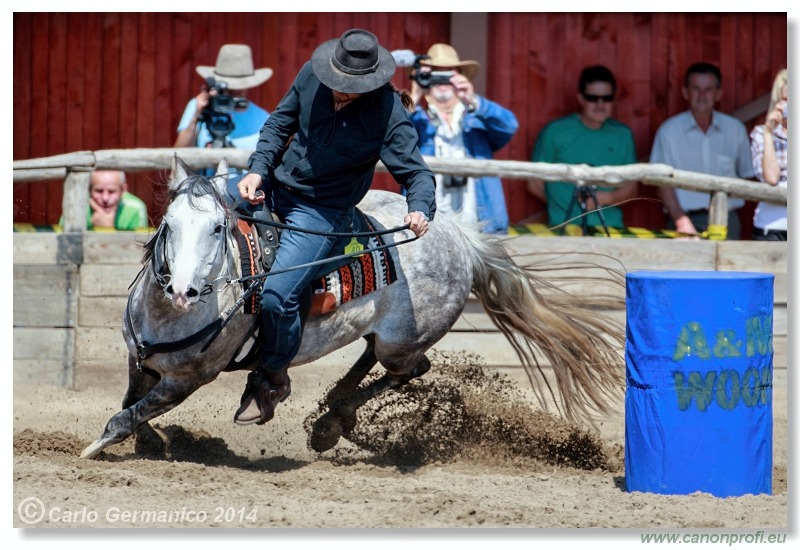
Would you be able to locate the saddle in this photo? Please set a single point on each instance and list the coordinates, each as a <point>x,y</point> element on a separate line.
<point>336,282</point>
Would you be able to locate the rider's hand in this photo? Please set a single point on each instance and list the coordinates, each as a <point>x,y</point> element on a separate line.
<point>248,186</point>
<point>418,221</point>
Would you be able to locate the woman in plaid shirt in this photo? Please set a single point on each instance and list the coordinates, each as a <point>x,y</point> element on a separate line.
<point>769,144</point>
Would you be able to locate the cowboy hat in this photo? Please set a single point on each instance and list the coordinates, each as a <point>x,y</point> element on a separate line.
<point>445,56</point>
<point>354,63</point>
<point>235,68</point>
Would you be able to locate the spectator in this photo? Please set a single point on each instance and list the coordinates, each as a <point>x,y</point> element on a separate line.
<point>458,123</point>
<point>344,116</point>
<point>111,205</point>
<point>769,145</point>
<point>235,68</point>
<point>702,140</point>
<point>591,137</point>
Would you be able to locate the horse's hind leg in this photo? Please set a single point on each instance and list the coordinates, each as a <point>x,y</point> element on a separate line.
<point>164,396</point>
<point>341,417</point>
<point>329,427</point>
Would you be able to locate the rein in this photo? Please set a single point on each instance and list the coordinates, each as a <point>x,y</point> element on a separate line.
<point>145,349</point>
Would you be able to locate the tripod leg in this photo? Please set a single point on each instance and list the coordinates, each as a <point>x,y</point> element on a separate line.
<point>599,210</point>
<point>573,201</point>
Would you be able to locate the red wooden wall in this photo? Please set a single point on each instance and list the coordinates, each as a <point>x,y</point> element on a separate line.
<point>88,81</point>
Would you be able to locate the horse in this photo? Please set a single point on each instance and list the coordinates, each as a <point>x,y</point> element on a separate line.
<point>186,298</point>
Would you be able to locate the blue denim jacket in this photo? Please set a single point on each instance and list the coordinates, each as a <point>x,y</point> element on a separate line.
<point>486,129</point>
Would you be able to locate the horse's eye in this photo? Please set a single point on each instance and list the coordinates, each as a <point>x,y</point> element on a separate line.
<point>219,229</point>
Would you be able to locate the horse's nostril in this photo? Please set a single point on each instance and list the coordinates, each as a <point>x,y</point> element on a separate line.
<point>191,293</point>
<point>169,289</point>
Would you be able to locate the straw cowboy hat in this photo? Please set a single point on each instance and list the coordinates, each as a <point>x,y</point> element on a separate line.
<point>354,63</point>
<point>235,68</point>
<point>445,56</point>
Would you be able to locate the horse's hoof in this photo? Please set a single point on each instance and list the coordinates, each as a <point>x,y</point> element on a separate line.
<point>325,433</point>
<point>93,450</point>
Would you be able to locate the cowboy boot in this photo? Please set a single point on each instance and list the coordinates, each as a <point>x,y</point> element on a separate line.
<point>264,390</point>
<point>267,387</point>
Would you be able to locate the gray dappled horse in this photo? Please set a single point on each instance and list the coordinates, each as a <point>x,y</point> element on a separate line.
<point>197,245</point>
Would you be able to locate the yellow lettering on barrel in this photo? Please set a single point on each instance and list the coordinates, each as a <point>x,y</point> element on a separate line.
<point>759,335</point>
<point>692,341</point>
<point>727,345</point>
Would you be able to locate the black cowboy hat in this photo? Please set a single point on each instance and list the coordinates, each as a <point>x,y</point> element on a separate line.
<point>354,63</point>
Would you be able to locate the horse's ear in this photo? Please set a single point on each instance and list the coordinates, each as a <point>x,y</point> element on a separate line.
<point>221,179</point>
<point>179,173</point>
<point>222,167</point>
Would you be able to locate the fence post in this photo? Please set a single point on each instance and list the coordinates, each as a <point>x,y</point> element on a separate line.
<point>76,199</point>
<point>718,216</point>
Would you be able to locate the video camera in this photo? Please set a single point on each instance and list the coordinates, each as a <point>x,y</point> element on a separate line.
<point>217,114</point>
<point>426,79</point>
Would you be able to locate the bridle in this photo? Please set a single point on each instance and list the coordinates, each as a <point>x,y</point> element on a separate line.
<point>250,284</point>
<point>160,268</point>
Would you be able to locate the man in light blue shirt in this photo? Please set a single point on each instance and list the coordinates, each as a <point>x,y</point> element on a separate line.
<point>702,140</point>
<point>235,69</point>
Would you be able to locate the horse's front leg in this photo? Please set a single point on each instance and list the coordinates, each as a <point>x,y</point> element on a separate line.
<point>166,394</point>
<point>140,383</point>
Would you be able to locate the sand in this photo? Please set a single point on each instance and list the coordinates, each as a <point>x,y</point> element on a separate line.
<point>463,448</point>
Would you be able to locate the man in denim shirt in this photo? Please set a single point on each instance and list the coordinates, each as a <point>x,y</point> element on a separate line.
<point>455,122</point>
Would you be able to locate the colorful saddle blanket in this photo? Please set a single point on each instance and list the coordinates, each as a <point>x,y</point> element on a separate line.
<point>339,281</point>
<point>358,276</point>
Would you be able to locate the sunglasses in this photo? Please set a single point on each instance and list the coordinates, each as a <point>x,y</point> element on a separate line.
<point>591,98</point>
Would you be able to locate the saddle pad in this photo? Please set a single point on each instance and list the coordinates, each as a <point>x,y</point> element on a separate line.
<point>248,258</point>
<point>362,275</point>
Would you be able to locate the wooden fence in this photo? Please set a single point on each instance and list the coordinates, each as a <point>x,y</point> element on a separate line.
<point>70,288</point>
<point>68,317</point>
<point>75,169</point>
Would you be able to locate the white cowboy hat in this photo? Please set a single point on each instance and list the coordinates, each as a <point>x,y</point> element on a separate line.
<point>235,68</point>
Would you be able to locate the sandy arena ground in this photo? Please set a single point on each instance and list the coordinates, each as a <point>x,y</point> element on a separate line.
<point>463,449</point>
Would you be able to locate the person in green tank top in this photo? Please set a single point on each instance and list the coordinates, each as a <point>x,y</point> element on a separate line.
<point>111,205</point>
<point>591,137</point>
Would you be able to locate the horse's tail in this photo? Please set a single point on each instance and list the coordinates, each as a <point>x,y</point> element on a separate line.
<point>581,344</point>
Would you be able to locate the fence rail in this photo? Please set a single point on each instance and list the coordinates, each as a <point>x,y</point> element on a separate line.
<point>76,167</point>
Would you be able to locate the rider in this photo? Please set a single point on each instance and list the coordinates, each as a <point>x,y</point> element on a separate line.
<point>315,161</point>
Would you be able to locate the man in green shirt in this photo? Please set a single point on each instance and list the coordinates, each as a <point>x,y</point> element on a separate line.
<point>111,205</point>
<point>591,137</point>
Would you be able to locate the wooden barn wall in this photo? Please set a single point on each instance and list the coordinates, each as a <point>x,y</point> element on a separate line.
<point>88,81</point>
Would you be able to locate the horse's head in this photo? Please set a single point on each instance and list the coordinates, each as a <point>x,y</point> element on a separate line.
<point>194,243</point>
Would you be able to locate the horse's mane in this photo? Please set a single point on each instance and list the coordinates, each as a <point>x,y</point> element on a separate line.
<point>195,185</point>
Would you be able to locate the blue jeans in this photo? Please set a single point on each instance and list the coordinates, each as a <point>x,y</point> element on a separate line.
<point>281,329</point>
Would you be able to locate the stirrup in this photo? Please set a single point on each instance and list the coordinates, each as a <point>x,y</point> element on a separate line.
<point>261,397</point>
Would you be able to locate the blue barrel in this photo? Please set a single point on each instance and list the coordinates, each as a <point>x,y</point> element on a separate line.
<point>698,401</point>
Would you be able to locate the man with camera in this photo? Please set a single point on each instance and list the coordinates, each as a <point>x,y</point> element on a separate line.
<point>221,115</point>
<point>455,122</point>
